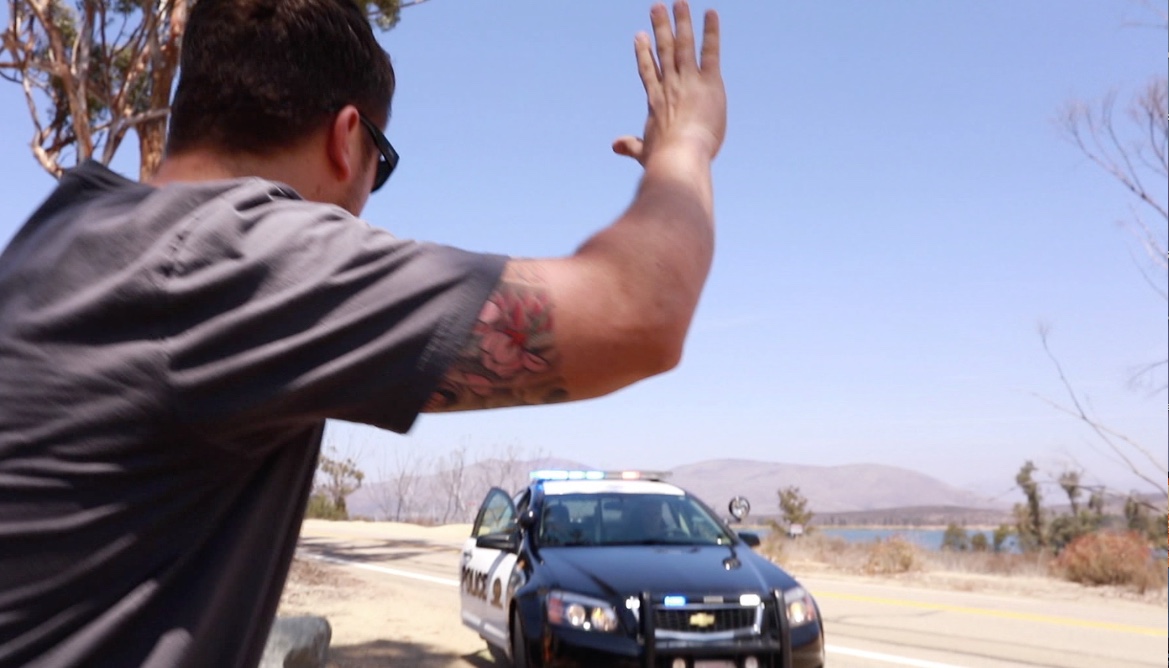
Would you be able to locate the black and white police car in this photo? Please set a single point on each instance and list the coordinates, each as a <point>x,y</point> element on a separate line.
<point>591,568</point>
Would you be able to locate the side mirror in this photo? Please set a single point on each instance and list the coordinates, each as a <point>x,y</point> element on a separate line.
<point>750,538</point>
<point>740,507</point>
<point>527,519</point>
<point>507,542</point>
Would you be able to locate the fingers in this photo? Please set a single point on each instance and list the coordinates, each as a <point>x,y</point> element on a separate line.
<point>651,77</point>
<point>710,45</point>
<point>630,147</point>
<point>664,37</point>
<point>684,38</point>
<point>675,47</point>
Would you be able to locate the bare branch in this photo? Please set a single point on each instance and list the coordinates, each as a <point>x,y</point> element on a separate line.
<point>1157,260</point>
<point>1148,376</point>
<point>1155,10</point>
<point>105,70</point>
<point>396,496</point>
<point>1096,135</point>
<point>1109,436</point>
<point>47,161</point>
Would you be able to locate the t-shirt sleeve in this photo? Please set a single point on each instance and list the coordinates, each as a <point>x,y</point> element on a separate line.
<point>286,311</point>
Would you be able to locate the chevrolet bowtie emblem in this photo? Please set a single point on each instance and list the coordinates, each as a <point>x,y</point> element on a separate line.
<point>701,619</point>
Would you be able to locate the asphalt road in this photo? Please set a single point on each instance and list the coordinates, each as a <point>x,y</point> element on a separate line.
<point>866,624</point>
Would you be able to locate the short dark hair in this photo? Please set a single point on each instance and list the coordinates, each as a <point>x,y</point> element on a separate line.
<point>257,75</point>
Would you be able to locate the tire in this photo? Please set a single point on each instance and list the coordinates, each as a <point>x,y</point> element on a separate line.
<point>499,656</point>
<point>519,646</point>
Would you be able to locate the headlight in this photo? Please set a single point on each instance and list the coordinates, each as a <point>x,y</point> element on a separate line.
<point>580,612</point>
<point>801,609</point>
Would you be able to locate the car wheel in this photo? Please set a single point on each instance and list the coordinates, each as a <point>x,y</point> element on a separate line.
<point>519,647</point>
<point>498,656</point>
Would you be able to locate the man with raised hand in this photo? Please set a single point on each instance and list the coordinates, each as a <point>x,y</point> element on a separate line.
<point>171,350</point>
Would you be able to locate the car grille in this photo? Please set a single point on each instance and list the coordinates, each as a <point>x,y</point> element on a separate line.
<point>707,620</point>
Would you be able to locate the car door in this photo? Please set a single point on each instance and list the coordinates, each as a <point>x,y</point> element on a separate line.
<point>489,555</point>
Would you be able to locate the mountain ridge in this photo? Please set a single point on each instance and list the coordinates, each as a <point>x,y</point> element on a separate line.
<point>830,489</point>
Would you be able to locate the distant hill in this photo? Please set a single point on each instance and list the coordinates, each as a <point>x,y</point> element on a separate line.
<point>831,490</point>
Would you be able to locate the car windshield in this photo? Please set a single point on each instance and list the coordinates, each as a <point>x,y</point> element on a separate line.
<point>627,519</point>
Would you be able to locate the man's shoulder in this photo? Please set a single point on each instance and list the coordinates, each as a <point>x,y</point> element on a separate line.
<point>242,201</point>
<point>249,208</point>
<point>95,174</point>
<point>89,182</point>
<point>271,213</point>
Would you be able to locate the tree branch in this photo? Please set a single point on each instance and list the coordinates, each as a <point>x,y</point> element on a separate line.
<point>1107,435</point>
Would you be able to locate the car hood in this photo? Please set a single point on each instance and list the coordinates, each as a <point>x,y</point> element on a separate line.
<point>626,570</point>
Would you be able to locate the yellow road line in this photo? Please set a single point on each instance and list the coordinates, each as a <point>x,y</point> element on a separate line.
<point>1005,614</point>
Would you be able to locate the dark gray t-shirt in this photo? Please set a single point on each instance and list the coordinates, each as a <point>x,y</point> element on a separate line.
<point>168,358</point>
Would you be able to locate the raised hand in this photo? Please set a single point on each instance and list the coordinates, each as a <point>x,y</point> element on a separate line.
<point>686,98</point>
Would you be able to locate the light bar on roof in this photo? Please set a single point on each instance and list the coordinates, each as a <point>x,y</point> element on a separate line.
<point>570,474</point>
<point>565,474</point>
<point>642,475</point>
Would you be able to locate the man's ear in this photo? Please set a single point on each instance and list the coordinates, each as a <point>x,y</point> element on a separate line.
<point>343,143</point>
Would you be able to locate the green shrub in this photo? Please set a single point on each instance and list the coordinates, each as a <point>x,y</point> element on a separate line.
<point>1001,534</point>
<point>1110,558</point>
<point>979,542</point>
<point>321,507</point>
<point>955,538</point>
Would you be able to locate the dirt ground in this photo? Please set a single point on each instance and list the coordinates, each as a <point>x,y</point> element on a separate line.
<point>369,630</point>
<point>378,620</point>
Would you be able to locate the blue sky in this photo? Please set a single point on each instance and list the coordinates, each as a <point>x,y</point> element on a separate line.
<point>897,211</point>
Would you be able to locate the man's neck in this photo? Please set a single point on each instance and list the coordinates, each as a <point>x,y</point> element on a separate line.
<point>304,167</point>
<point>200,165</point>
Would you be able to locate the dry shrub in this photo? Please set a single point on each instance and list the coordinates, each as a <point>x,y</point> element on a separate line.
<point>815,548</point>
<point>1035,564</point>
<point>892,555</point>
<point>773,547</point>
<point>1111,558</point>
<point>830,549</point>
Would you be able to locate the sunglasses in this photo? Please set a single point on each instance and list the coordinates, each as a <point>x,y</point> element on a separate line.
<point>389,159</point>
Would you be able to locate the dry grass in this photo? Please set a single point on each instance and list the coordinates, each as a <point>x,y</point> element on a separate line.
<point>990,563</point>
<point>885,557</point>
<point>966,571</point>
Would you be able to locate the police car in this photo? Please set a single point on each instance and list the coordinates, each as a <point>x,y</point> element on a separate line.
<point>592,568</point>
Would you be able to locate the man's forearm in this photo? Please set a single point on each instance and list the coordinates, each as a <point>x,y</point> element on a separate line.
<point>660,249</point>
<point>618,309</point>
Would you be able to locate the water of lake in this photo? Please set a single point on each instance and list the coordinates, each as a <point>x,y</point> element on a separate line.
<point>930,539</point>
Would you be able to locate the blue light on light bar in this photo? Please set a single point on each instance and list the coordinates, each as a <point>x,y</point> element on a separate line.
<point>674,601</point>
<point>560,474</point>
<point>548,474</point>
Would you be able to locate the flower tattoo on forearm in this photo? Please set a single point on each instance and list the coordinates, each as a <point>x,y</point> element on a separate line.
<point>510,358</point>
